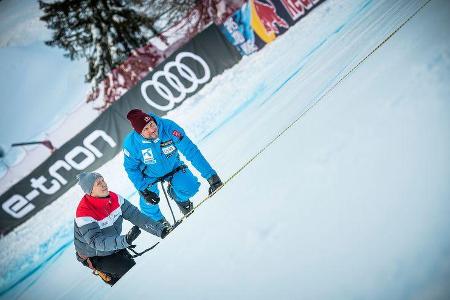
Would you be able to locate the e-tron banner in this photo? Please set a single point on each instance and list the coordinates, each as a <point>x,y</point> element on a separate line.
<point>181,75</point>
<point>259,22</point>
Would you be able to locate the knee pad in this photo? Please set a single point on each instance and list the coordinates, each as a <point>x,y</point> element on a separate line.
<point>185,185</point>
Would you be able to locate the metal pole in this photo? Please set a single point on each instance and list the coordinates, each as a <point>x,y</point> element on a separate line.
<point>46,143</point>
<point>168,203</point>
<point>136,254</point>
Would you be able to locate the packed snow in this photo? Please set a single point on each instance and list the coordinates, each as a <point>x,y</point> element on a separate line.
<point>351,201</point>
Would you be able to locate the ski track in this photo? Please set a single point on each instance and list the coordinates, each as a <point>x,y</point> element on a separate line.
<point>64,235</point>
<point>24,269</point>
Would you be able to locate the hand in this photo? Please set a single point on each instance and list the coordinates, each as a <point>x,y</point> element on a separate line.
<point>132,234</point>
<point>165,231</point>
<point>215,183</point>
<point>150,197</point>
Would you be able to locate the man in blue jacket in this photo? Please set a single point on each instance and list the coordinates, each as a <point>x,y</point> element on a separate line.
<point>151,152</point>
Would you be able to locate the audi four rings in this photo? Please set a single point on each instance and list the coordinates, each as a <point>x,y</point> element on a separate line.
<point>185,72</point>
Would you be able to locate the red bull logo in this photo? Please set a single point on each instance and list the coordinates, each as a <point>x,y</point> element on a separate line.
<point>298,8</point>
<point>263,20</point>
<point>267,13</point>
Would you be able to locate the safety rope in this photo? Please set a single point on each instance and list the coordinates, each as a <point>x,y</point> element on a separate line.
<point>315,102</point>
<point>298,118</point>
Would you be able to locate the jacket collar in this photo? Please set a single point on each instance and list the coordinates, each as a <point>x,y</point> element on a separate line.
<point>97,201</point>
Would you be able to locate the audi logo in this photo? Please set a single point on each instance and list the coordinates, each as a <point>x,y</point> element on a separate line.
<point>176,86</point>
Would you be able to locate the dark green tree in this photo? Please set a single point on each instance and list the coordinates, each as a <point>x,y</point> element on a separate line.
<point>113,36</point>
<point>105,31</point>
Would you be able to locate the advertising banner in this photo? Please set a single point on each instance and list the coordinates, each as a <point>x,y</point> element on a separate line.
<point>259,22</point>
<point>180,76</point>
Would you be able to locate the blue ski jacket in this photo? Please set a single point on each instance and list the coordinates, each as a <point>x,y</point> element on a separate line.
<point>146,160</point>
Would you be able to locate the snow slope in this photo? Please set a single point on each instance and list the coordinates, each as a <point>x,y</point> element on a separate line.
<point>350,202</point>
<point>33,74</point>
<point>41,90</point>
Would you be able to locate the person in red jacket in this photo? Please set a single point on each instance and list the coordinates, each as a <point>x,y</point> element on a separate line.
<point>98,238</point>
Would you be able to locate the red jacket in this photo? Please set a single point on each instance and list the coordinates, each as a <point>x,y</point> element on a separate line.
<point>98,224</point>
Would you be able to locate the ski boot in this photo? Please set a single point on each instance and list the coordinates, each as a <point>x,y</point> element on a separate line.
<point>164,222</point>
<point>186,207</point>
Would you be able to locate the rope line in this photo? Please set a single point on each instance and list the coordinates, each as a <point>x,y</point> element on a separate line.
<point>314,103</point>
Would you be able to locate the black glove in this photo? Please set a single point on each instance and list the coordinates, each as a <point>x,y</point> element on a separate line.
<point>132,234</point>
<point>215,183</point>
<point>150,197</point>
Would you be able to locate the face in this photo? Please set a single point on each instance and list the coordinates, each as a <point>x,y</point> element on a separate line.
<point>150,130</point>
<point>100,188</point>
